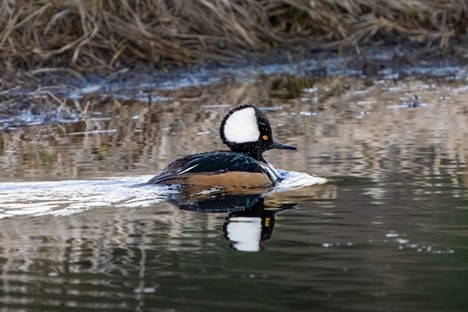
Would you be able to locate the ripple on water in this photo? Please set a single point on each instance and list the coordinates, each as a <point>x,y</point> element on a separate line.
<point>68,197</point>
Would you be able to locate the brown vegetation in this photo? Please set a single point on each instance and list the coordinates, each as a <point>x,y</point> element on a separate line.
<point>108,34</point>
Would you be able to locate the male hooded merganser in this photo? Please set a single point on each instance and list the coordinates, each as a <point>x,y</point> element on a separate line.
<point>247,132</point>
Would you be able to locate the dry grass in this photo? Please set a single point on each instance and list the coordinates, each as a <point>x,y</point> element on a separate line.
<point>108,34</point>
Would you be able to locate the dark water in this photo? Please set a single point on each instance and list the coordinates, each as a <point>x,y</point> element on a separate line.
<point>388,233</point>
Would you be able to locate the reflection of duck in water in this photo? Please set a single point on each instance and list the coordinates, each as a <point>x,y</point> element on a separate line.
<point>251,217</point>
<point>249,222</point>
<point>247,132</point>
<point>248,229</point>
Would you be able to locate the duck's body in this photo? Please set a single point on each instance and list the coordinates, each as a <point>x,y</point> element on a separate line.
<point>247,132</point>
<point>218,168</point>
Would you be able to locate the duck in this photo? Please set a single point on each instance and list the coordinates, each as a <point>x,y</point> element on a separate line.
<point>247,133</point>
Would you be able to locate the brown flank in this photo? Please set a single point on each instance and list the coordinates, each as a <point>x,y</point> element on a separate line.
<point>232,180</point>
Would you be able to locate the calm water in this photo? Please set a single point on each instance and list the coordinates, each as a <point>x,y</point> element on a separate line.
<point>389,232</point>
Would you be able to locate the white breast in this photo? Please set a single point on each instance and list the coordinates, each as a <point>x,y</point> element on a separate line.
<point>271,171</point>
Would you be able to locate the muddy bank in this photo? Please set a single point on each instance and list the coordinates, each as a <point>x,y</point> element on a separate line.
<point>63,96</point>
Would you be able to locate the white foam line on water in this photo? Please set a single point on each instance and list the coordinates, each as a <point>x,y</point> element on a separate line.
<point>62,198</point>
<point>68,197</point>
<point>296,180</point>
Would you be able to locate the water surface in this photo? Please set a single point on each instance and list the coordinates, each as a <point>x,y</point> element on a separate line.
<point>388,232</point>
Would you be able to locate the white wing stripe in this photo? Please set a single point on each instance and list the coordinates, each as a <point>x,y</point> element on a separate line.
<point>186,170</point>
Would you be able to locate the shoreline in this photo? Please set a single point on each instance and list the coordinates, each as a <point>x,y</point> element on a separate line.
<point>55,97</point>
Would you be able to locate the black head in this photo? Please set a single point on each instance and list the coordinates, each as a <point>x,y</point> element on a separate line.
<point>246,129</point>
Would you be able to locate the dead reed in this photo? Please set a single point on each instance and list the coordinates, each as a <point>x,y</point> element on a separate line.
<point>97,35</point>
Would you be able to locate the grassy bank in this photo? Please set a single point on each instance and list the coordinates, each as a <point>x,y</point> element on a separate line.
<point>103,35</point>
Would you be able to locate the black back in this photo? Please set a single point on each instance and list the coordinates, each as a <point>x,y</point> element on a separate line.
<point>209,162</point>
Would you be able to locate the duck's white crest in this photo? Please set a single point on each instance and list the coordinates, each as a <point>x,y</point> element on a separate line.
<point>241,126</point>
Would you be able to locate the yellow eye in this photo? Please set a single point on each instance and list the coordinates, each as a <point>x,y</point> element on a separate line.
<point>265,137</point>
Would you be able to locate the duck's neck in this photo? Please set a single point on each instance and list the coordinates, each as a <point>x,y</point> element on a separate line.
<point>250,150</point>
